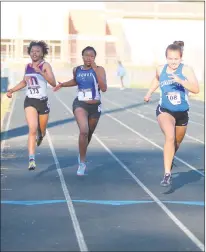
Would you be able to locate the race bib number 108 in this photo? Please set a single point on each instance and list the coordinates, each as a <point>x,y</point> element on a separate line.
<point>174,97</point>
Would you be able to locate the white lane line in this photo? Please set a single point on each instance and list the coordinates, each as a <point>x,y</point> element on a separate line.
<point>75,222</point>
<point>149,119</point>
<point>189,234</point>
<point>198,114</point>
<point>153,143</point>
<point>197,106</point>
<point>142,136</point>
<point>157,97</point>
<point>79,235</point>
<point>151,107</point>
<point>191,121</point>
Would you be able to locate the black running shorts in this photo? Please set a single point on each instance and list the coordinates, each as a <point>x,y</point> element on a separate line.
<point>181,117</point>
<point>93,110</point>
<point>41,105</point>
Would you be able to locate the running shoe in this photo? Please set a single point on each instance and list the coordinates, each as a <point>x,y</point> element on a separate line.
<point>39,140</point>
<point>32,165</point>
<point>81,169</point>
<point>167,180</point>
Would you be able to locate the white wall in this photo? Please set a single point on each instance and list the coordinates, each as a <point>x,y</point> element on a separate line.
<point>40,20</point>
<point>149,38</point>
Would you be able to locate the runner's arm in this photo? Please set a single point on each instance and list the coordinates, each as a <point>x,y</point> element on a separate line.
<point>70,83</point>
<point>155,83</point>
<point>19,86</point>
<point>191,82</point>
<point>48,74</point>
<point>101,78</point>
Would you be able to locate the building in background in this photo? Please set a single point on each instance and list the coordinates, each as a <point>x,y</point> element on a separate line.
<point>136,33</point>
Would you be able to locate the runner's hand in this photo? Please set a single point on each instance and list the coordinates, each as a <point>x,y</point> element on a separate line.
<point>57,87</point>
<point>94,66</point>
<point>9,93</point>
<point>175,78</point>
<point>147,98</point>
<point>38,70</point>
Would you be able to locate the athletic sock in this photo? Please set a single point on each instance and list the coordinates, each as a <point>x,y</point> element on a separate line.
<point>31,157</point>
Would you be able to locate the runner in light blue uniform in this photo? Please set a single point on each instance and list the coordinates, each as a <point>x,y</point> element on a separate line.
<point>173,96</point>
<point>175,81</point>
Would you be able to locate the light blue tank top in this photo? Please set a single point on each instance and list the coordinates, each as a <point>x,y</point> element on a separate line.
<point>173,96</point>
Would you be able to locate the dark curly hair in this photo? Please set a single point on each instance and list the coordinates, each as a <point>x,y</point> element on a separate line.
<point>42,44</point>
<point>89,48</point>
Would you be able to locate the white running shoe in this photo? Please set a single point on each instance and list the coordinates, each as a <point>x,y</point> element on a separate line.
<point>81,169</point>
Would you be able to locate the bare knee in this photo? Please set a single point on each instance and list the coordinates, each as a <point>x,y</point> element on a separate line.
<point>170,138</point>
<point>32,131</point>
<point>84,133</point>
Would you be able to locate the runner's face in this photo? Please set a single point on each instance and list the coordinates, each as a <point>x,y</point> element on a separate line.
<point>36,53</point>
<point>88,58</point>
<point>173,59</point>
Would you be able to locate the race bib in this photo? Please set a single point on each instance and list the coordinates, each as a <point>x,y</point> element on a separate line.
<point>32,85</point>
<point>84,94</point>
<point>174,98</point>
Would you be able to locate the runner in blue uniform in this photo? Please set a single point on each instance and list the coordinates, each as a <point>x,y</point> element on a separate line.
<point>90,80</point>
<point>175,81</point>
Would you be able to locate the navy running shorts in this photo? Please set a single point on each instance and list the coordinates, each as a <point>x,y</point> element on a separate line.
<point>41,105</point>
<point>93,110</point>
<point>181,117</point>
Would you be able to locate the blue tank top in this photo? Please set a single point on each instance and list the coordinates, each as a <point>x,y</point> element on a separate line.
<point>173,96</point>
<point>87,82</point>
